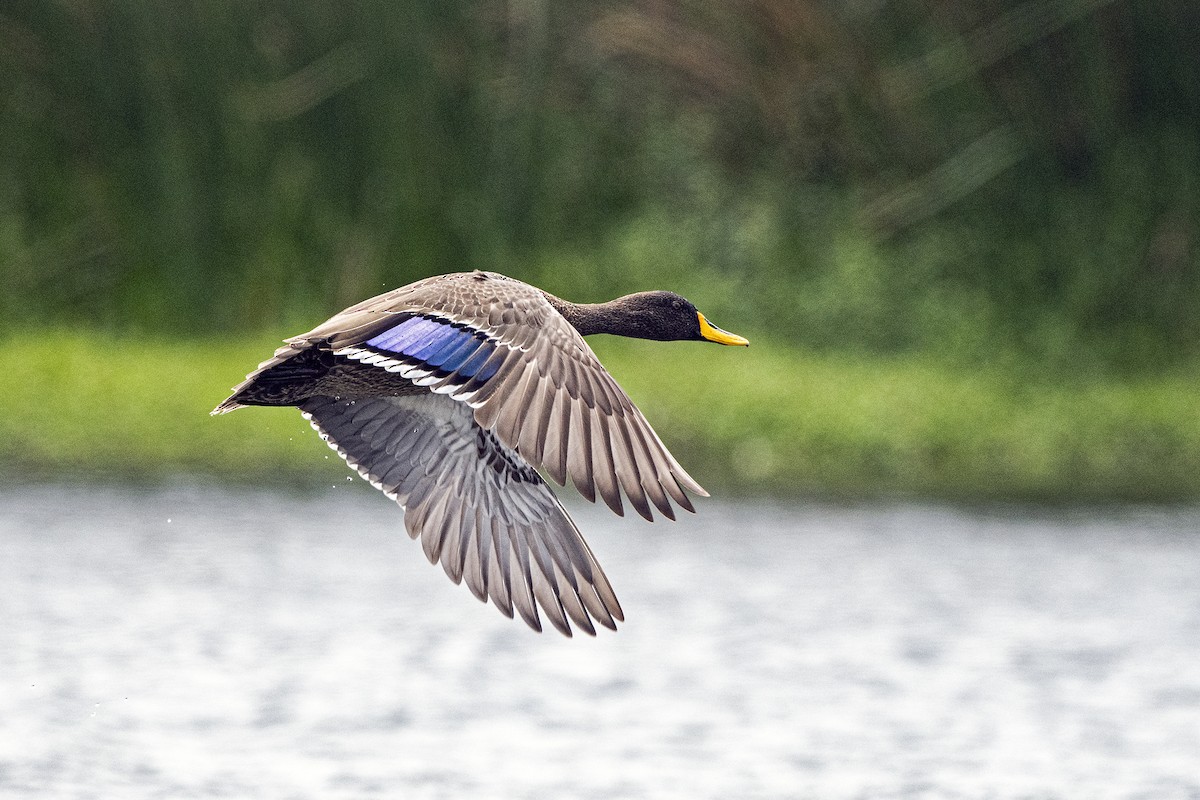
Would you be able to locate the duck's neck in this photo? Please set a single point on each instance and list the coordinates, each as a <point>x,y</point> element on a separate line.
<point>588,318</point>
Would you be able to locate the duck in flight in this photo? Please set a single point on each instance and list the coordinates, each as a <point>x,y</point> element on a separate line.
<point>451,393</point>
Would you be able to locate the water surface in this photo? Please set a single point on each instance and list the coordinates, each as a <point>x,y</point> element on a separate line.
<point>203,643</point>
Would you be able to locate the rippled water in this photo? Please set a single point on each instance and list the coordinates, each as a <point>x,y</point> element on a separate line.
<point>206,643</point>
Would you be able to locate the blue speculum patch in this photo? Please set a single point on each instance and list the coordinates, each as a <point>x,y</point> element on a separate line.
<point>447,347</point>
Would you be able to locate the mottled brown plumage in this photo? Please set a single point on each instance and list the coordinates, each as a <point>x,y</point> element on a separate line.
<point>450,393</point>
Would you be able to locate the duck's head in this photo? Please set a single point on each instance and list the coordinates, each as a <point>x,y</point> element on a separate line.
<point>664,317</point>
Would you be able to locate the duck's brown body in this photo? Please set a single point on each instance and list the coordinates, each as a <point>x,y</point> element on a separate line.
<point>450,393</point>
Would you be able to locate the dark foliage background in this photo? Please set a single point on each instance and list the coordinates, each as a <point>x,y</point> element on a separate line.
<point>979,180</point>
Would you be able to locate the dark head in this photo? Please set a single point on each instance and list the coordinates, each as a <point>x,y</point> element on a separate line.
<point>661,316</point>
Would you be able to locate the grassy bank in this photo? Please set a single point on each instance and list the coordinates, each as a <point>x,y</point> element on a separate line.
<point>763,420</point>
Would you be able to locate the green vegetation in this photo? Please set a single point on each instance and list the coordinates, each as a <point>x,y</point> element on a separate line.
<point>878,177</point>
<point>964,237</point>
<point>762,420</point>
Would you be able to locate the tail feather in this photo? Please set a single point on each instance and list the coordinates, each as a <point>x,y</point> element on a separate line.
<point>228,405</point>
<point>282,380</point>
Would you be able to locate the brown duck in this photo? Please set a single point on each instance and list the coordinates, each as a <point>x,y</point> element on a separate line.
<point>449,395</point>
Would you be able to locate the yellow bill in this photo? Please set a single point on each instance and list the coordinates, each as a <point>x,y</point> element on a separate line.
<point>714,334</point>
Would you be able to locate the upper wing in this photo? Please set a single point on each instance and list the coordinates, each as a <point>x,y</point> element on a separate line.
<point>474,503</point>
<point>501,347</point>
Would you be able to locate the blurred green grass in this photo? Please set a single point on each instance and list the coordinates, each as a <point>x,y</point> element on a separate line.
<point>766,420</point>
<point>94,406</point>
